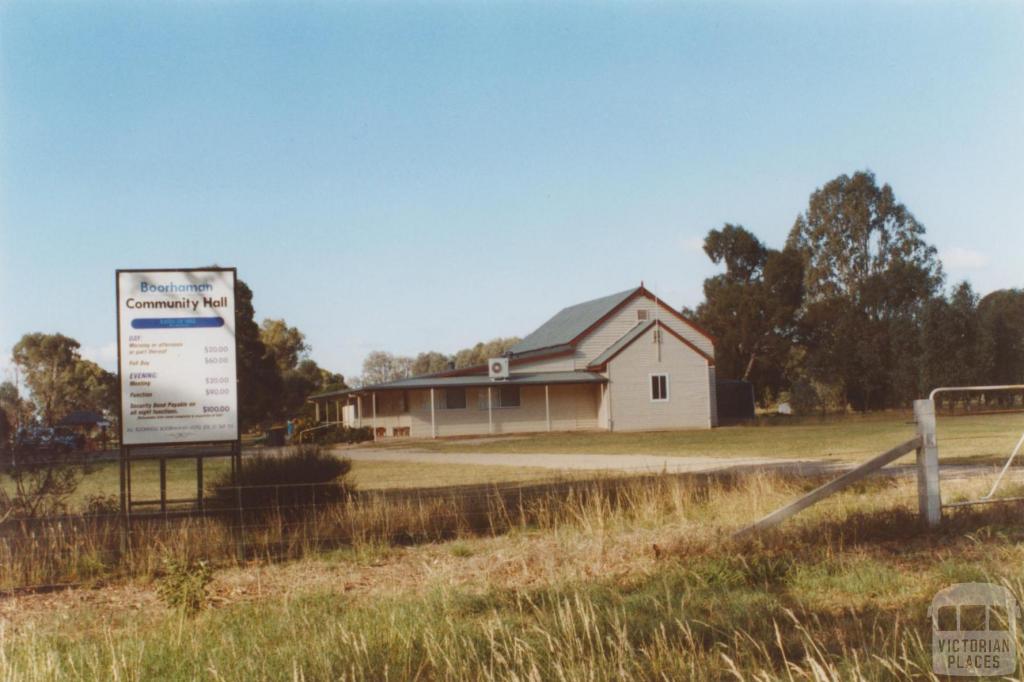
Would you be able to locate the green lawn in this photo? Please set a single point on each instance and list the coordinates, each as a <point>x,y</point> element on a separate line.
<point>103,479</point>
<point>852,437</point>
<point>981,439</point>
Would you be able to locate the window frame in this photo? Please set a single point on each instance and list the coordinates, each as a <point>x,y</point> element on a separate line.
<point>650,387</point>
<point>444,401</point>
<point>519,398</point>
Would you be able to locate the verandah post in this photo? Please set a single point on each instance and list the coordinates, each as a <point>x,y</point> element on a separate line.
<point>433,418</point>
<point>929,500</point>
<point>547,405</point>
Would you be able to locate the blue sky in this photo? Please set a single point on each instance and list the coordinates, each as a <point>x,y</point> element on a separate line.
<point>423,176</point>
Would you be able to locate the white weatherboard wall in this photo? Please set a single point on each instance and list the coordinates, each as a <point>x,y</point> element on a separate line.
<point>615,327</point>
<point>573,407</point>
<point>713,396</point>
<point>690,391</point>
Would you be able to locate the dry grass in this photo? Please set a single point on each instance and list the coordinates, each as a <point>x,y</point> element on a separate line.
<point>608,579</point>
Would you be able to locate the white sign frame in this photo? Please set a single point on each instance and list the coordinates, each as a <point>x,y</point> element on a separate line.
<point>172,323</point>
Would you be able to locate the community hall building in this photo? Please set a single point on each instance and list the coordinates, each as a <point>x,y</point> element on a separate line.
<point>624,362</point>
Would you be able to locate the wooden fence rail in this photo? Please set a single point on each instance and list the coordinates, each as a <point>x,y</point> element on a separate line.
<point>830,488</point>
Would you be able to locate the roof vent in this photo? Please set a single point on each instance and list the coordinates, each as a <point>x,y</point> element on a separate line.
<point>641,314</point>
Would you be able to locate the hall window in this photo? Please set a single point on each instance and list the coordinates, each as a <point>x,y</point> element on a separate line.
<point>659,387</point>
<point>508,396</point>
<point>454,399</point>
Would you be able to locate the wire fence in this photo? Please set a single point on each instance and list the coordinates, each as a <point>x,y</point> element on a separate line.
<point>283,522</point>
<point>289,521</point>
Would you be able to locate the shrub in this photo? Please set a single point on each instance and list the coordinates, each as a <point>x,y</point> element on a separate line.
<point>302,478</point>
<point>183,587</point>
<point>39,487</point>
<point>341,434</point>
<point>102,505</point>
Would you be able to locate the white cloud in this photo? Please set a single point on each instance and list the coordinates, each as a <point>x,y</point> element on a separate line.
<point>104,356</point>
<point>959,258</point>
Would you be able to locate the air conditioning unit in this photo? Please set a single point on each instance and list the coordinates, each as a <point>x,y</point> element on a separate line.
<point>497,368</point>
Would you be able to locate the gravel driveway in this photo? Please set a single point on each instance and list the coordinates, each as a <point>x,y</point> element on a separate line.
<point>656,463</point>
<point>564,461</point>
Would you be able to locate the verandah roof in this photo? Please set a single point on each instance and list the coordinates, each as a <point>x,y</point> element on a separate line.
<point>525,379</point>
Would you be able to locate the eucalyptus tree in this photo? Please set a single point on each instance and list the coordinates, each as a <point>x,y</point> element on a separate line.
<point>751,309</point>
<point>868,273</point>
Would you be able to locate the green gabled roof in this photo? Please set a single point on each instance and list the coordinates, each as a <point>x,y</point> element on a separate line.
<point>570,322</point>
<point>628,338</point>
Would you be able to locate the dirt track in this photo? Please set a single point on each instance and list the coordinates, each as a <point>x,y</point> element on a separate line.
<point>586,462</point>
<point>654,463</point>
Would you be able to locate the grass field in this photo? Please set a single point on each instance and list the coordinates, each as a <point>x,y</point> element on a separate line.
<point>651,589</point>
<point>639,581</point>
<point>103,478</point>
<point>848,438</point>
<point>981,439</point>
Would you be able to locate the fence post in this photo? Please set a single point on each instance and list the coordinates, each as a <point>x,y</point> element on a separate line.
<point>928,499</point>
<point>240,539</point>
<point>316,522</point>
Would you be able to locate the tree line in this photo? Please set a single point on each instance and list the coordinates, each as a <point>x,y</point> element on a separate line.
<point>381,366</point>
<point>853,311</point>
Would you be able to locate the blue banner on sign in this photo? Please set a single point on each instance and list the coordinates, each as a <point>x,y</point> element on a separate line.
<point>176,322</point>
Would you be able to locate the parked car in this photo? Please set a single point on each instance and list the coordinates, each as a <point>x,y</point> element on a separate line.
<point>45,439</point>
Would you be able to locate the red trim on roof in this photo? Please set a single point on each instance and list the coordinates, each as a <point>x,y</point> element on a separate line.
<point>642,291</point>
<point>482,369</point>
<point>690,344</point>
<point>462,371</point>
<point>682,318</point>
<point>542,356</point>
<point>604,318</point>
<point>710,360</point>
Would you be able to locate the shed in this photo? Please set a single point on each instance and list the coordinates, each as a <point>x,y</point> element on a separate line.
<point>735,400</point>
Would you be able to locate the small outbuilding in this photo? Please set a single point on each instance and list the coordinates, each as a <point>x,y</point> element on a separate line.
<point>735,400</point>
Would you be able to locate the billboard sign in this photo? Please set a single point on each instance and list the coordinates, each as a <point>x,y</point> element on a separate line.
<point>177,356</point>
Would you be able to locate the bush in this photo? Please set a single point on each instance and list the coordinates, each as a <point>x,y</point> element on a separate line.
<point>302,478</point>
<point>39,487</point>
<point>184,585</point>
<point>341,434</point>
<point>805,399</point>
<point>102,505</point>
